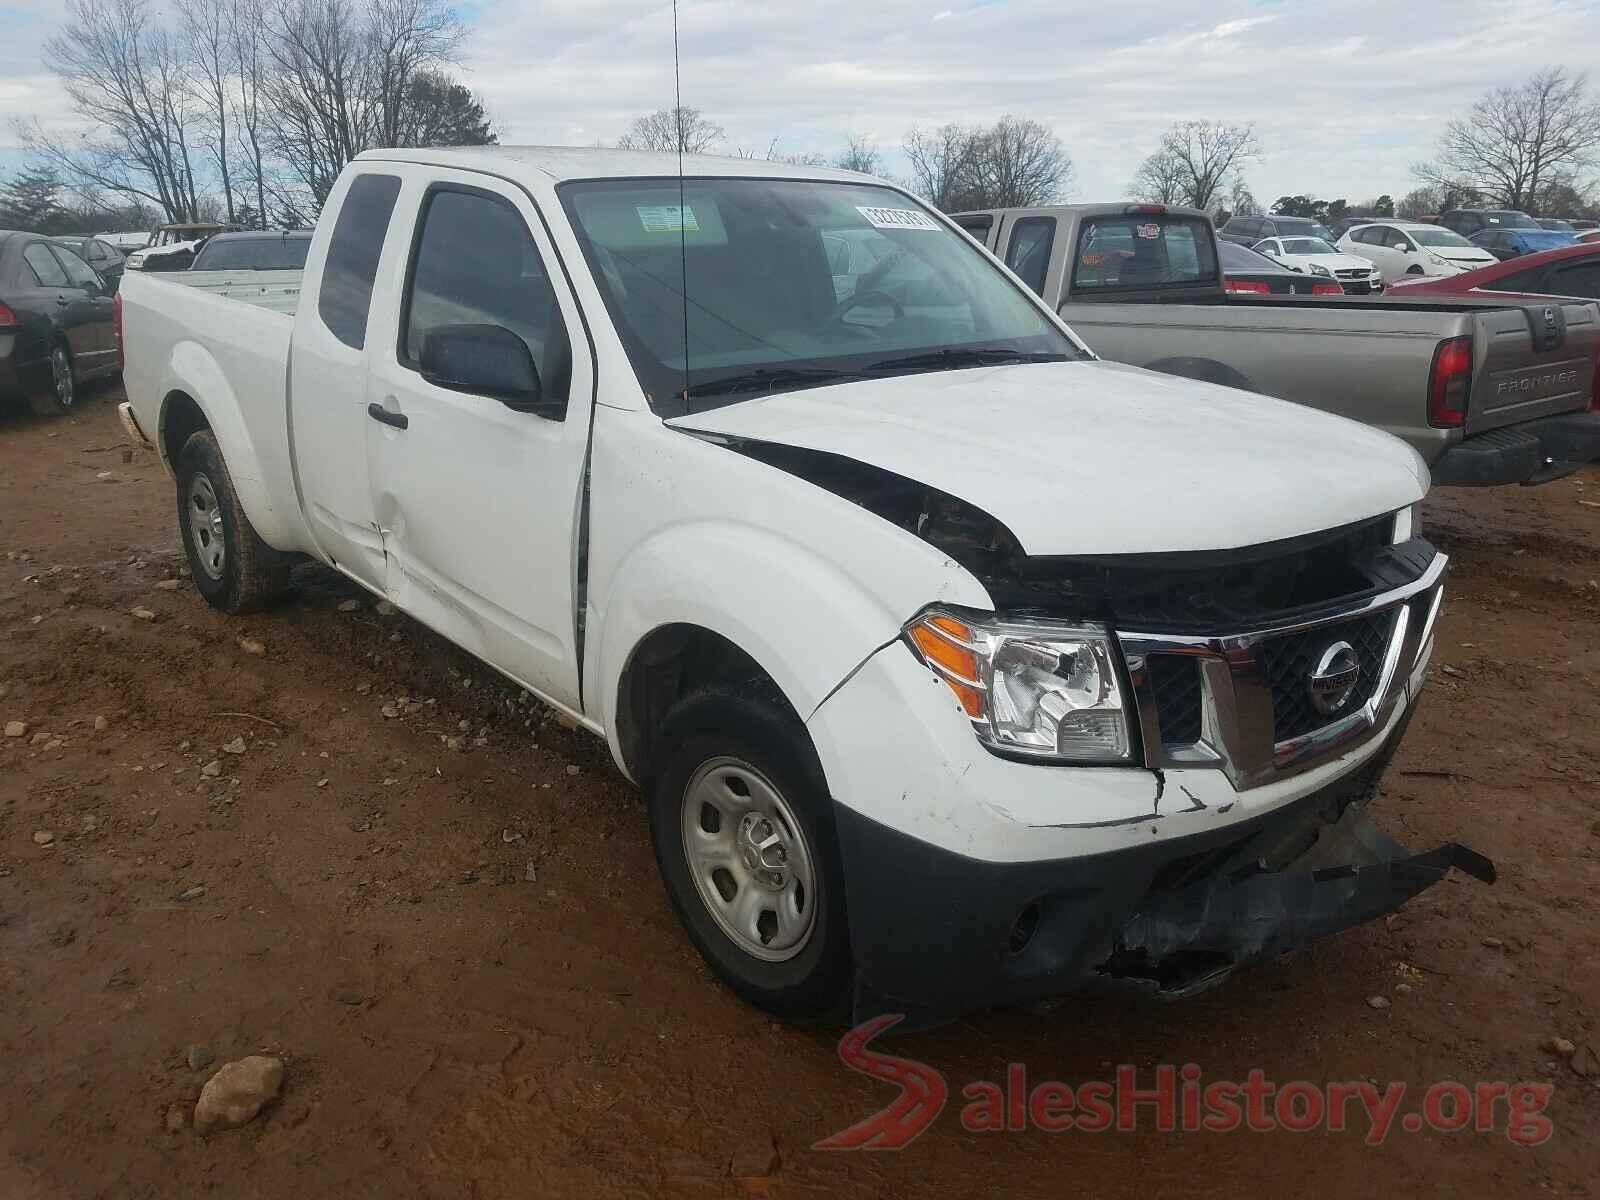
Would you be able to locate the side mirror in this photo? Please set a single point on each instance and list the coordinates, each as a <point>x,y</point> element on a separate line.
<point>488,360</point>
<point>1402,247</point>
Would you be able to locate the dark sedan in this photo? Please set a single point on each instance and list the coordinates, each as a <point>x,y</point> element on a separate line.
<point>1506,244</point>
<point>1246,273</point>
<point>56,319</point>
<point>105,258</point>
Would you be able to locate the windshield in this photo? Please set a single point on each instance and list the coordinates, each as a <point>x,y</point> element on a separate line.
<point>253,254</point>
<point>1439,237</point>
<point>790,283</point>
<point>1300,245</point>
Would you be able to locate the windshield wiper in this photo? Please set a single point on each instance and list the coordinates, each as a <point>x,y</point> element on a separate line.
<point>971,356</point>
<point>765,379</point>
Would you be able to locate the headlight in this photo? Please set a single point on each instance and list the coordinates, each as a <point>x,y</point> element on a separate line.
<point>1407,524</point>
<point>1320,270</point>
<point>1039,689</point>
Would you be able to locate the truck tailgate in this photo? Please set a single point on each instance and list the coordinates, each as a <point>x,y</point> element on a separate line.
<point>1533,360</point>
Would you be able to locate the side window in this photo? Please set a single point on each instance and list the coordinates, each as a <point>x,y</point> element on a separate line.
<point>1028,253</point>
<point>1520,281</point>
<point>475,264</point>
<point>978,227</point>
<point>46,270</point>
<point>1576,279</point>
<point>353,252</point>
<point>78,272</point>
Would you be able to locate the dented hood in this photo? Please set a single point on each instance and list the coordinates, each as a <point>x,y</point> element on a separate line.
<point>1090,458</point>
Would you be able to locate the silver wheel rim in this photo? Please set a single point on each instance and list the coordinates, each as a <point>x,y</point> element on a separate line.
<point>61,373</point>
<point>748,857</point>
<point>205,526</point>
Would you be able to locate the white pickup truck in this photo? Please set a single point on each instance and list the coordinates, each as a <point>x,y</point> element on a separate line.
<point>959,666</point>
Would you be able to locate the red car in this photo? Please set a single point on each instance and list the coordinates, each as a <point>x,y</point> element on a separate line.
<point>1564,271</point>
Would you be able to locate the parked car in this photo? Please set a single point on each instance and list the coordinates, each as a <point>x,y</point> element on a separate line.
<point>1588,236</point>
<point>1354,274</point>
<point>173,247</point>
<point>1246,273</point>
<point>55,321</point>
<point>254,252</point>
<point>1247,231</point>
<point>1344,224</point>
<point>105,258</point>
<point>1514,243</point>
<point>1486,394</point>
<point>1468,221</point>
<point>1565,271</point>
<point>1402,248</point>
<point>1556,223</point>
<point>910,735</point>
<point>126,241</point>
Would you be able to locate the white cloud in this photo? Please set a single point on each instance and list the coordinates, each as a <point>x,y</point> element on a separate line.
<point>1346,95</point>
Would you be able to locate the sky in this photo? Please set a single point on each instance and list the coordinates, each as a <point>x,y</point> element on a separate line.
<point>1345,96</point>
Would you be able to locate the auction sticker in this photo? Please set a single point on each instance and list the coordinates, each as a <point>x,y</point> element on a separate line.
<point>667,218</point>
<point>1150,232</point>
<point>896,218</point>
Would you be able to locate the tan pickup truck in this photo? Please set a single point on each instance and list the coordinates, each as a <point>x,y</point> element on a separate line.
<point>1488,392</point>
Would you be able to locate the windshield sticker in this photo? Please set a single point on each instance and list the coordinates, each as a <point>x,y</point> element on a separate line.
<point>896,218</point>
<point>1150,232</point>
<point>667,218</point>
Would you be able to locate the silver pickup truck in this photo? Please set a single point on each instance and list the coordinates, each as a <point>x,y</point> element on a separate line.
<point>1488,392</point>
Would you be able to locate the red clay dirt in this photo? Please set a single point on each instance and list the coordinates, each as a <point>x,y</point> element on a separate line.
<point>466,961</point>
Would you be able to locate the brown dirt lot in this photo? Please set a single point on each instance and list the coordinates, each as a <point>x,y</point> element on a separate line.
<point>468,965</point>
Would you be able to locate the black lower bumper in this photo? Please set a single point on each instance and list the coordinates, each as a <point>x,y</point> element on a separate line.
<point>1533,452</point>
<point>936,934</point>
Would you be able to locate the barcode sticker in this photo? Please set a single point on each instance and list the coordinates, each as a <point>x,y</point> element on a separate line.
<point>896,218</point>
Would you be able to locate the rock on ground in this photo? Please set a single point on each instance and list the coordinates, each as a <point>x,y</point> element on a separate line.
<point>236,1093</point>
<point>16,728</point>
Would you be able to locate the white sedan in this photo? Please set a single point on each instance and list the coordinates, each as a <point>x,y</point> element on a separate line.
<point>1313,256</point>
<point>1409,248</point>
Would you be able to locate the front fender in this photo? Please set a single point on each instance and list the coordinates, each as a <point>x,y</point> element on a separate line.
<point>805,621</point>
<point>192,371</point>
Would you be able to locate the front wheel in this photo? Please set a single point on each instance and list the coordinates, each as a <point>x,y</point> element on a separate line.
<point>743,830</point>
<point>233,568</point>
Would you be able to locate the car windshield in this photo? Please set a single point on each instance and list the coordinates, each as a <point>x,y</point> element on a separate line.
<point>253,254</point>
<point>1438,237</point>
<point>1307,245</point>
<point>792,283</point>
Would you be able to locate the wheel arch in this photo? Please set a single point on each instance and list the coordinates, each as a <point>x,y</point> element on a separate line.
<point>1204,370</point>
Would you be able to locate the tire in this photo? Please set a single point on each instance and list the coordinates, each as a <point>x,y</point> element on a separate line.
<point>65,386</point>
<point>233,568</point>
<point>712,743</point>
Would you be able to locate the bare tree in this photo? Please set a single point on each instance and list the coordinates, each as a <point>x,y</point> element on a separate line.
<point>1517,139</point>
<point>1018,162</point>
<point>941,164</point>
<point>407,37</point>
<point>128,79</point>
<point>860,154</point>
<point>682,129</point>
<point>1201,157</point>
<point>248,33</point>
<point>1159,180</point>
<point>1242,201</point>
<point>211,53</point>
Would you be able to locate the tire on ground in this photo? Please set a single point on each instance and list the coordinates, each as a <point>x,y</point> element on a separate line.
<point>752,723</point>
<point>253,574</point>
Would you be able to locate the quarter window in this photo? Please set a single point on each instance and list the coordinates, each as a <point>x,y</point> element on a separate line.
<point>44,266</point>
<point>353,254</point>
<point>476,264</point>
<point>1029,251</point>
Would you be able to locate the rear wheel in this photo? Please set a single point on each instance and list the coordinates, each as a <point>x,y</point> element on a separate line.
<point>63,394</point>
<point>233,568</point>
<point>743,830</point>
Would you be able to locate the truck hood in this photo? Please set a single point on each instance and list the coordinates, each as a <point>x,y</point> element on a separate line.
<point>1094,458</point>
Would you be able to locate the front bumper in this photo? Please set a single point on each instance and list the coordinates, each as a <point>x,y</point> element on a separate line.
<point>936,934</point>
<point>1533,452</point>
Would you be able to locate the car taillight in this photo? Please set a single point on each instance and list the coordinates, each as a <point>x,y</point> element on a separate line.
<point>1326,289</point>
<point>1246,287</point>
<point>1450,383</point>
<point>8,319</point>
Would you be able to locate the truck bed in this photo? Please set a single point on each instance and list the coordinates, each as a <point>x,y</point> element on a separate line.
<point>275,291</point>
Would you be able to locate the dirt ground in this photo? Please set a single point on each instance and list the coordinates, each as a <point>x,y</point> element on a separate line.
<point>467,963</point>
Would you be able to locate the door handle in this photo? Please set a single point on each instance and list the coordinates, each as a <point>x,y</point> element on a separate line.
<point>63,301</point>
<point>394,420</point>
